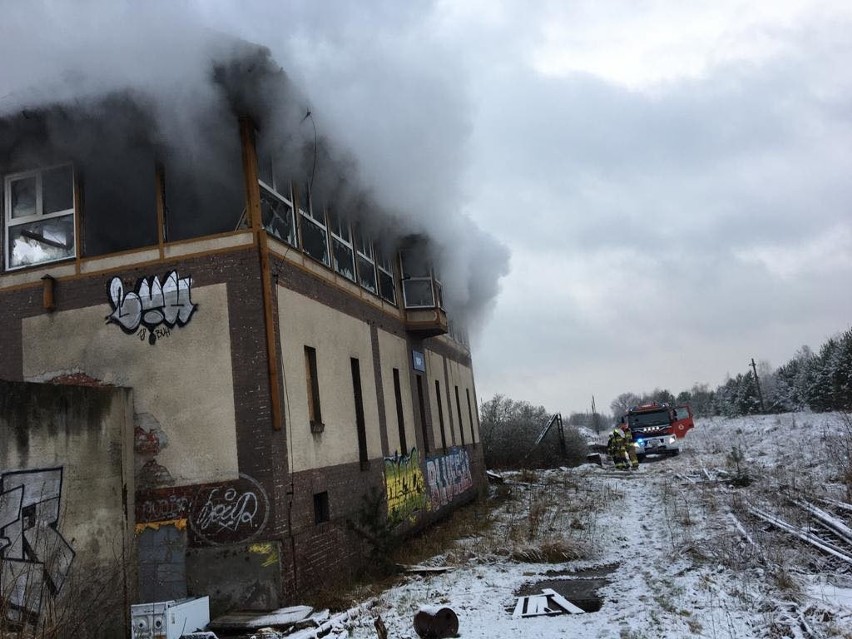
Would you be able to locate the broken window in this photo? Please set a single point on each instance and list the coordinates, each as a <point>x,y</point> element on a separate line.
<point>341,246</point>
<point>39,216</point>
<point>276,199</point>
<point>276,211</point>
<point>417,282</point>
<point>314,232</point>
<point>387,288</point>
<point>364,258</point>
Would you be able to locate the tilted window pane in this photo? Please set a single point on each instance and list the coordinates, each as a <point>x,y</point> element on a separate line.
<point>339,227</point>
<point>418,293</point>
<point>23,195</point>
<point>363,244</point>
<point>39,242</point>
<point>57,189</point>
<point>314,241</point>
<point>415,264</point>
<point>386,287</point>
<point>277,217</point>
<point>367,274</point>
<point>343,259</point>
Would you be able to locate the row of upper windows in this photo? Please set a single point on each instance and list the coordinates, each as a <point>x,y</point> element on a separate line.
<point>40,212</point>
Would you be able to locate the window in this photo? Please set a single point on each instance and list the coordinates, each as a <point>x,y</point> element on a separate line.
<point>470,418</point>
<point>421,399</point>
<point>276,212</point>
<point>341,246</point>
<point>360,424</point>
<point>321,511</point>
<point>400,420</point>
<point>314,232</point>
<point>417,290</point>
<point>364,258</point>
<point>458,411</point>
<point>40,213</point>
<point>314,411</point>
<point>387,287</point>
<point>441,415</point>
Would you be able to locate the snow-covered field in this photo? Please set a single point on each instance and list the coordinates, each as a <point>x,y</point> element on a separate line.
<point>688,555</point>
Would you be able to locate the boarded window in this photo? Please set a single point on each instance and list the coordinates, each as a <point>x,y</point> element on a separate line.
<point>314,409</point>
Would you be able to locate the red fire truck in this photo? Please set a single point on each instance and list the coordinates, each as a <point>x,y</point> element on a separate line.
<point>656,427</point>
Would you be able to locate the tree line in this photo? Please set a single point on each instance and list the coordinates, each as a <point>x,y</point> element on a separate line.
<point>819,382</point>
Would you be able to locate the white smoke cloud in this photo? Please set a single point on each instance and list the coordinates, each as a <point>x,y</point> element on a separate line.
<point>380,88</point>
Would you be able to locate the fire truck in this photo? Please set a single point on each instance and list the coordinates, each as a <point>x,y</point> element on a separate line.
<point>656,427</point>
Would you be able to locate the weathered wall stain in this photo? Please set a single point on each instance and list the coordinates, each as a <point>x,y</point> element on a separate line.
<point>406,490</point>
<point>448,476</point>
<point>34,557</point>
<point>156,306</point>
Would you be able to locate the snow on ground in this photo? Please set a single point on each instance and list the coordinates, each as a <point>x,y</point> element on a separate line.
<point>688,558</point>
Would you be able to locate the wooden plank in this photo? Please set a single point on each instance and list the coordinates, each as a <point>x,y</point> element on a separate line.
<point>562,602</point>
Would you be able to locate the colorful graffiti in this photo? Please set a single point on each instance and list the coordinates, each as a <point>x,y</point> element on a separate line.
<point>154,303</point>
<point>34,557</point>
<point>406,490</point>
<point>448,476</point>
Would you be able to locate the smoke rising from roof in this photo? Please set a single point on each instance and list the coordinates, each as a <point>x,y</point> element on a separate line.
<point>391,126</point>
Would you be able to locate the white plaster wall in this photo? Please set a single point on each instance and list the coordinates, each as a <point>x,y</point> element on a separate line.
<point>337,337</point>
<point>184,381</point>
<point>393,353</point>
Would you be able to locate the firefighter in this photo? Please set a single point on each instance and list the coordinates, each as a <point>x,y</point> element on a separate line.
<point>617,450</point>
<point>629,447</point>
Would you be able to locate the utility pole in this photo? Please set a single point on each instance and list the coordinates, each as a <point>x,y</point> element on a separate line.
<point>757,383</point>
<point>595,422</point>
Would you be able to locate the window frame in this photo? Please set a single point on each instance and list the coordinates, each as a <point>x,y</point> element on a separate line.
<point>406,278</point>
<point>384,266</point>
<point>307,215</point>
<point>272,191</point>
<point>367,242</point>
<point>313,391</point>
<point>336,224</point>
<point>39,215</point>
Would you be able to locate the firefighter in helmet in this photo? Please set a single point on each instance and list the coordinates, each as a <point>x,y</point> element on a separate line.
<point>629,447</point>
<point>615,446</point>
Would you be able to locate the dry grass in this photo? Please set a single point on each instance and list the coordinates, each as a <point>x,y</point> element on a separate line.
<point>552,551</point>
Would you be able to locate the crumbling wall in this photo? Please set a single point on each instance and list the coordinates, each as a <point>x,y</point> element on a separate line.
<point>66,506</point>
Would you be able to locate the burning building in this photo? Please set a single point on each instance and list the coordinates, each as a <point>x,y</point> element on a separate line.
<point>198,297</point>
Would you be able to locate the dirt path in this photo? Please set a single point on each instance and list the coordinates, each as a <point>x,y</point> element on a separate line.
<point>665,559</point>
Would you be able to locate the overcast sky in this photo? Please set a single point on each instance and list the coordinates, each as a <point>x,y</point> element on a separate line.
<point>667,188</point>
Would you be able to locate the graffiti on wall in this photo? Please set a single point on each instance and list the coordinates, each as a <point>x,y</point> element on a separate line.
<point>153,308</point>
<point>406,490</point>
<point>218,513</point>
<point>34,557</point>
<point>448,476</point>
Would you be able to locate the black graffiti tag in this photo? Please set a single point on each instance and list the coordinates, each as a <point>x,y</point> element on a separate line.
<point>34,557</point>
